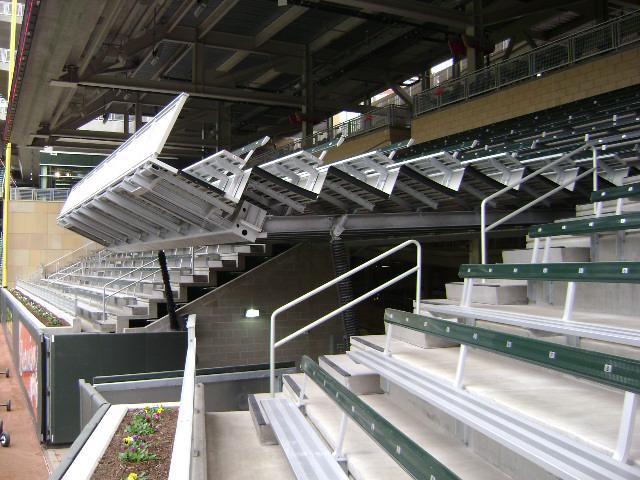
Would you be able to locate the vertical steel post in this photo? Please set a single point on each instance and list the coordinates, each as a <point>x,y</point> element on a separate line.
<point>625,432</point>
<point>337,453</point>
<point>7,168</point>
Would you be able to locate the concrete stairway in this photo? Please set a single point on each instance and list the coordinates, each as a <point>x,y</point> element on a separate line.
<point>133,283</point>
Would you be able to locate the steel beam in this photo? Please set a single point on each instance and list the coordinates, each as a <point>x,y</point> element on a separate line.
<point>382,223</point>
<point>175,87</point>
<point>411,10</point>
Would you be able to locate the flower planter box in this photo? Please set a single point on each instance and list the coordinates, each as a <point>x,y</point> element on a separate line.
<point>100,457</point>
<point>35,312</point>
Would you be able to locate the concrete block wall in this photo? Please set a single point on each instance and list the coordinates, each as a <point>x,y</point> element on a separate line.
<point>226,337</point>
<point>35,239</point>
<point>366,142</point>
<point>593,77</point>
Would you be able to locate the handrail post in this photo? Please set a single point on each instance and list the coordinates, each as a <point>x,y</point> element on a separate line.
<point>484,229</point>
<point>272,327</point>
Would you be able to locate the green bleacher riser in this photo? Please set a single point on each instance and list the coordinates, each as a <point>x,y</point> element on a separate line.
<point>609,223</point>
<point>625,191</point>
<point>417,462</point>
<point>597,272</point>
<point>612,370</point>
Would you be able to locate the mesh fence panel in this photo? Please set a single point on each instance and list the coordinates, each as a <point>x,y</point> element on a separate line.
<point>629,30</point>
<point>514,70</point>
<point>482,81</point>
<point>553,56</point>
<point>593,42</point>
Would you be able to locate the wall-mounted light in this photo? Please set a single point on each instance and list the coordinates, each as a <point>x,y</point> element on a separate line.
<point>252,313</point>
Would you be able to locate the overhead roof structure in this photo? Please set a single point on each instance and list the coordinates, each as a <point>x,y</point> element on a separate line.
<point>133,200</point>
<point>247,65</point>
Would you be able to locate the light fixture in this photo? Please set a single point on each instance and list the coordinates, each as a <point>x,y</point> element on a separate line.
<point>200,7</point>
<point>57,174</point>
<point>252,313</point>
<point>282,3</point>
<point>155,58</point>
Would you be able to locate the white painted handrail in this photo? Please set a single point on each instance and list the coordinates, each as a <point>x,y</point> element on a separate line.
<point>104,287</point>
<point>483,206</point>
<point>273,344</point>
<point>183,440</point>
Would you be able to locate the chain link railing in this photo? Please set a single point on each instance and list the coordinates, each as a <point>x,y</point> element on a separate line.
<point>600,39</point>
<point>40,194</point>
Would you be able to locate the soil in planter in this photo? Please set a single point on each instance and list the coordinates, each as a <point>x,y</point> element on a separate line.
<point>38,311</point>
<point>160,443</point>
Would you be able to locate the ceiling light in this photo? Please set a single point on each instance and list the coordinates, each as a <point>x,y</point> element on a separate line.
<point>200,7</point>
<point>57,174</point>
<point>282,3</point>
<point>252,313</point>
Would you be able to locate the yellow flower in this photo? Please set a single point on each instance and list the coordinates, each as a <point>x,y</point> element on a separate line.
<point>127,441</point>
<point>160,409</point>
<point>132,476</point>
<point>146,408</point>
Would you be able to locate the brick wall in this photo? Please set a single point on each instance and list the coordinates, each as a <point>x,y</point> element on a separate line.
<point>601,75</point>
<point>226,337</point>
<point>366,142</point>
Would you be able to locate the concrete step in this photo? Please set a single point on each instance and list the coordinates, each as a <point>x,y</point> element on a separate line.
<point>557,254</point>
<point>493,293</point>
<point>583,411</point>
<point>235,453</point>
<point>368,461</point>
<point>357,378</point>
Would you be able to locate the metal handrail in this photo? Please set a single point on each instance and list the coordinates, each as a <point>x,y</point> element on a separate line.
<point>483,205</point>
<point>272,339</point>
<point>182,451</point>
<point>58,260</point>
<point>497,75</point>
<point>61,301</point>
<point>71,272</point>
<point>104,287</point>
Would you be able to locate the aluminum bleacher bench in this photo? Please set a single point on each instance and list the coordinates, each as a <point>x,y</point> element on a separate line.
<point>598,272</point>
<point>556,452</point>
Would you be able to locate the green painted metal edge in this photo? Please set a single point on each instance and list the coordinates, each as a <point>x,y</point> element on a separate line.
<point>602,272</point>
<point>612,370</point>
<point>251,146</point>
<point>625,191</point>
<point>398,145</point>
<point>79,442</point>
<point>409,455</point>
<point>591,225</point>
<point>325,146</point>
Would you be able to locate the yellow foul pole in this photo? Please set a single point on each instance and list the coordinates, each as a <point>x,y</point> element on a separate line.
<point>7,171</point>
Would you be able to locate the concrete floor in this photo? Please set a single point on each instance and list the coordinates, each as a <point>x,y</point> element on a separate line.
<point>24,458</point>
<point>368,461</point>
<point>235,453</point>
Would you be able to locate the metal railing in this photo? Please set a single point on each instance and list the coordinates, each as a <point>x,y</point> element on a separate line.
<point>272,339</point>
<point>63,302</point>
<point>40,194</point>
<point>388,116</point>
<point>484,228</point>
<point>600,39</point>
<point>105,297</point>
<point>183,439</point>
<point>5,9</point>
<point>84,251</point>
